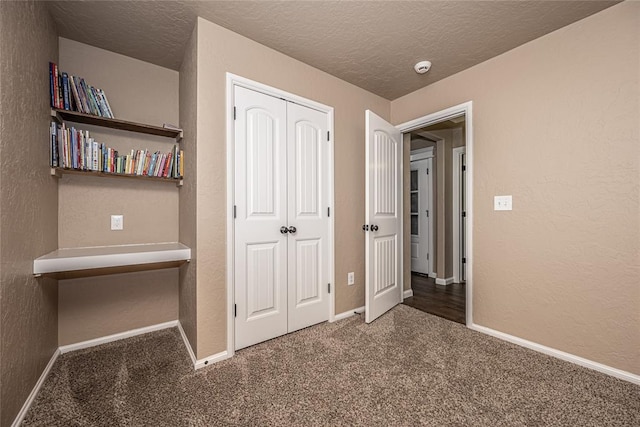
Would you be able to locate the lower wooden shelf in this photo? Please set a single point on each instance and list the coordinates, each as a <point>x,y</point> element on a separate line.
<point>101,260</point>
<point>59,172</point>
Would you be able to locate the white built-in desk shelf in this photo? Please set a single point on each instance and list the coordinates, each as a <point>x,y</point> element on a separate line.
<point>100,260</point>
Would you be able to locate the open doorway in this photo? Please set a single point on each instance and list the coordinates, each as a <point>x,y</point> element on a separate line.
<point>437,218</point>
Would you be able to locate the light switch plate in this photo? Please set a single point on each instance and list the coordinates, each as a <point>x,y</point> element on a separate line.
<point>117,222</point>
<point>351,278</point>
<point>502,203</point>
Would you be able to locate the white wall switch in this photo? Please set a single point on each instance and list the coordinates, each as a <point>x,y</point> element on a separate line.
<point>351,278</point>
<point>502,203</point>
<point>117,222</point>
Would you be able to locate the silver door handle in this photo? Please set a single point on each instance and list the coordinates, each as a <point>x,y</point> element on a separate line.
<point>292,229</point>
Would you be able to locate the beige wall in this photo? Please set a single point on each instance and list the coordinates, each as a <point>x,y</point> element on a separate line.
<point>556,126</point>
<point>188,196</point>
<point>28,202</point>
<point>99,306</point>
<point>219,51</point>
<point>146,93</point>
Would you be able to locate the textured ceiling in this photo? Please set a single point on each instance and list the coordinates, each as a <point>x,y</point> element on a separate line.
<point>372,44</point>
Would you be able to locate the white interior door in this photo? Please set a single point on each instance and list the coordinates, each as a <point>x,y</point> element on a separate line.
<point>281,193</point>
<point>260,251</point>
<point>383,238</point>
<point>420,212</point>
<point>308,157</point>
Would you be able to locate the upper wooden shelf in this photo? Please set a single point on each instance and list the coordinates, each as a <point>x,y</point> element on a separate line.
<point>74,116</point>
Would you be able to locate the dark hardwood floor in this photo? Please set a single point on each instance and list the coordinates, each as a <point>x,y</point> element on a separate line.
<point>444,301</point>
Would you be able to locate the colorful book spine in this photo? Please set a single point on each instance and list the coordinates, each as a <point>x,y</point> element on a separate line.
<point>56,100</point>
<point>65,91</point>
<point>53,145</point>
<point>76,95</point>
<point>82,95</point>
<point>106,101</point>
<point>52,91</point>
<point>60,96</point>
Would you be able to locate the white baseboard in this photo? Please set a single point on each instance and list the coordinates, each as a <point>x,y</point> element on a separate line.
<point>433,275</point>
<point>187,344</point>
<point>614,372</point>
<point>348,313</point>
<point>201,363</point>
<point>36,389</point>
<point>119,336</point>
<point>447,281</point>
<point>407,294</point>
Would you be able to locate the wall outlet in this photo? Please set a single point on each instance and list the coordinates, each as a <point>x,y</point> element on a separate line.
<point>117,222</point>
<point>502,203</point>
<point>351,278</point>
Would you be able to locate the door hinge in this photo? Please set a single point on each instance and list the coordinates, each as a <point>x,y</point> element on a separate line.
<point>464,168</point>
<point>427,213</point>
<point>427,171</point>
<point>235,310</point>
<point>464,260</point>
<point>328,211</point>
<point>328,136</point>
<point>427,257</point>
<point>464,214</point>
<point>329,288</point>
<point>234,211</point>
<point>234,113</point>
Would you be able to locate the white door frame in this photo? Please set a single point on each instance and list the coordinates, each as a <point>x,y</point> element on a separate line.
<point>457,213</point>
<point>449,113</point>
<point>235,80</point>
<point>421,154</point>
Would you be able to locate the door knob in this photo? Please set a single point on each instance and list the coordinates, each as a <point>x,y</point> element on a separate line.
<point>284,230</point>
<point>292,229</point>
<point>374,228</point>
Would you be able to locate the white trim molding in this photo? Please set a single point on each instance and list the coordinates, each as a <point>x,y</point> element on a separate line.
<point>559,354</point>
<point>348,313</point>
<point>201,363</point>
<point>408,294</point>
<point>466,110</point>
<point>187,344</point>
<point>444,282</point>
<point>457,211</point>
<point>115,337</point>
<point>36,388</point>
<point>421,153</point>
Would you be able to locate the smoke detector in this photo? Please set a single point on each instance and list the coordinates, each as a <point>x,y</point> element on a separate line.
<point>422,67</point>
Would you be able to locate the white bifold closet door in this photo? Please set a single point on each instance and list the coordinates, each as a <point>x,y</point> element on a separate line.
<point>281,226</point>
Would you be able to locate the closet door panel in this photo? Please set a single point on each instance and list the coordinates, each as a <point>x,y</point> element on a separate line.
<point>260,182</point>
<point>308,169</point>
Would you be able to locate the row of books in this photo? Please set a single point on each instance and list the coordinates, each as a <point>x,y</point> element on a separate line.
<point>71,148</point>
<point>74,94</point>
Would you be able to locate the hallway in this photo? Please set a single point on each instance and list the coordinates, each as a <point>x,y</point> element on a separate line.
<point>443,301</point>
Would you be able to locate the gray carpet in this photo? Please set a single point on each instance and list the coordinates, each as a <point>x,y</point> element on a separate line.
<point>407,368</point>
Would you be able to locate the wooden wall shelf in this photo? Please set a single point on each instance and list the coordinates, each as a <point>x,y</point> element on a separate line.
<point>89,119</point>
<point>59,172</point>
<point>101,260</point>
